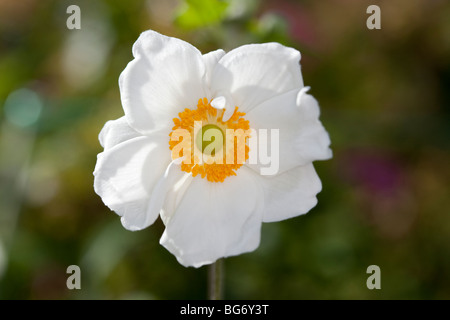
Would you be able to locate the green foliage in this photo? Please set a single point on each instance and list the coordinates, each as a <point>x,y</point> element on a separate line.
<point>195,14</point>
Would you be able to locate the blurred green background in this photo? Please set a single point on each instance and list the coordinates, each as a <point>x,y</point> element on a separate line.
<point>384,96</point>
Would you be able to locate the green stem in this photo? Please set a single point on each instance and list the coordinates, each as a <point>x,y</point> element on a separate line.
<point>215,280</point>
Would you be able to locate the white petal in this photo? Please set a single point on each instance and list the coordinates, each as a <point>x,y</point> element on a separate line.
<point>302,138</point>
<point>125,177</point>
<point>174,195</point>
<point>314,138</point>
<point>210,59</point>
<point>164,185</point>
<point>215,220</point>
<point>303,91</point>
<point>169,190</point>
<point>115,132</point>
<point>219,103</point>
<point>165,77</point>
<point>256,72</point>
<point>224,101</point>
<point>290,194</point>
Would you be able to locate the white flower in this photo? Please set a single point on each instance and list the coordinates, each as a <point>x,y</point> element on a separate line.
<point>209,210</point>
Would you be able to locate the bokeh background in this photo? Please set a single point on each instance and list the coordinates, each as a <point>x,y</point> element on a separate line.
<point>384,96</point>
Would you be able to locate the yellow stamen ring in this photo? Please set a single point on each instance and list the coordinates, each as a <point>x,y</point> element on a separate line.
<point>221,144</point>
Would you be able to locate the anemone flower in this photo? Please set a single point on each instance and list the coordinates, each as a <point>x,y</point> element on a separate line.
<point>211,197</point>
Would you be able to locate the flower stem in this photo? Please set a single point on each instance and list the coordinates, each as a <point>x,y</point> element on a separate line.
<point>215,280</point>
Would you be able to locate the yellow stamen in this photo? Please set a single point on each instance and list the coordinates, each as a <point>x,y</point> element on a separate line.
<point>215,168</point>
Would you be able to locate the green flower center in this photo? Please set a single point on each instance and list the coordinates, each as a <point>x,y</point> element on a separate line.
<point>210,139</point>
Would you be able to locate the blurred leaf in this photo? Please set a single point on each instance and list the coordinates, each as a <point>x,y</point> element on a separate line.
<point>66,112</point>
<point>195,14</point>
<point>271,27</point>
<point>106,250</point>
